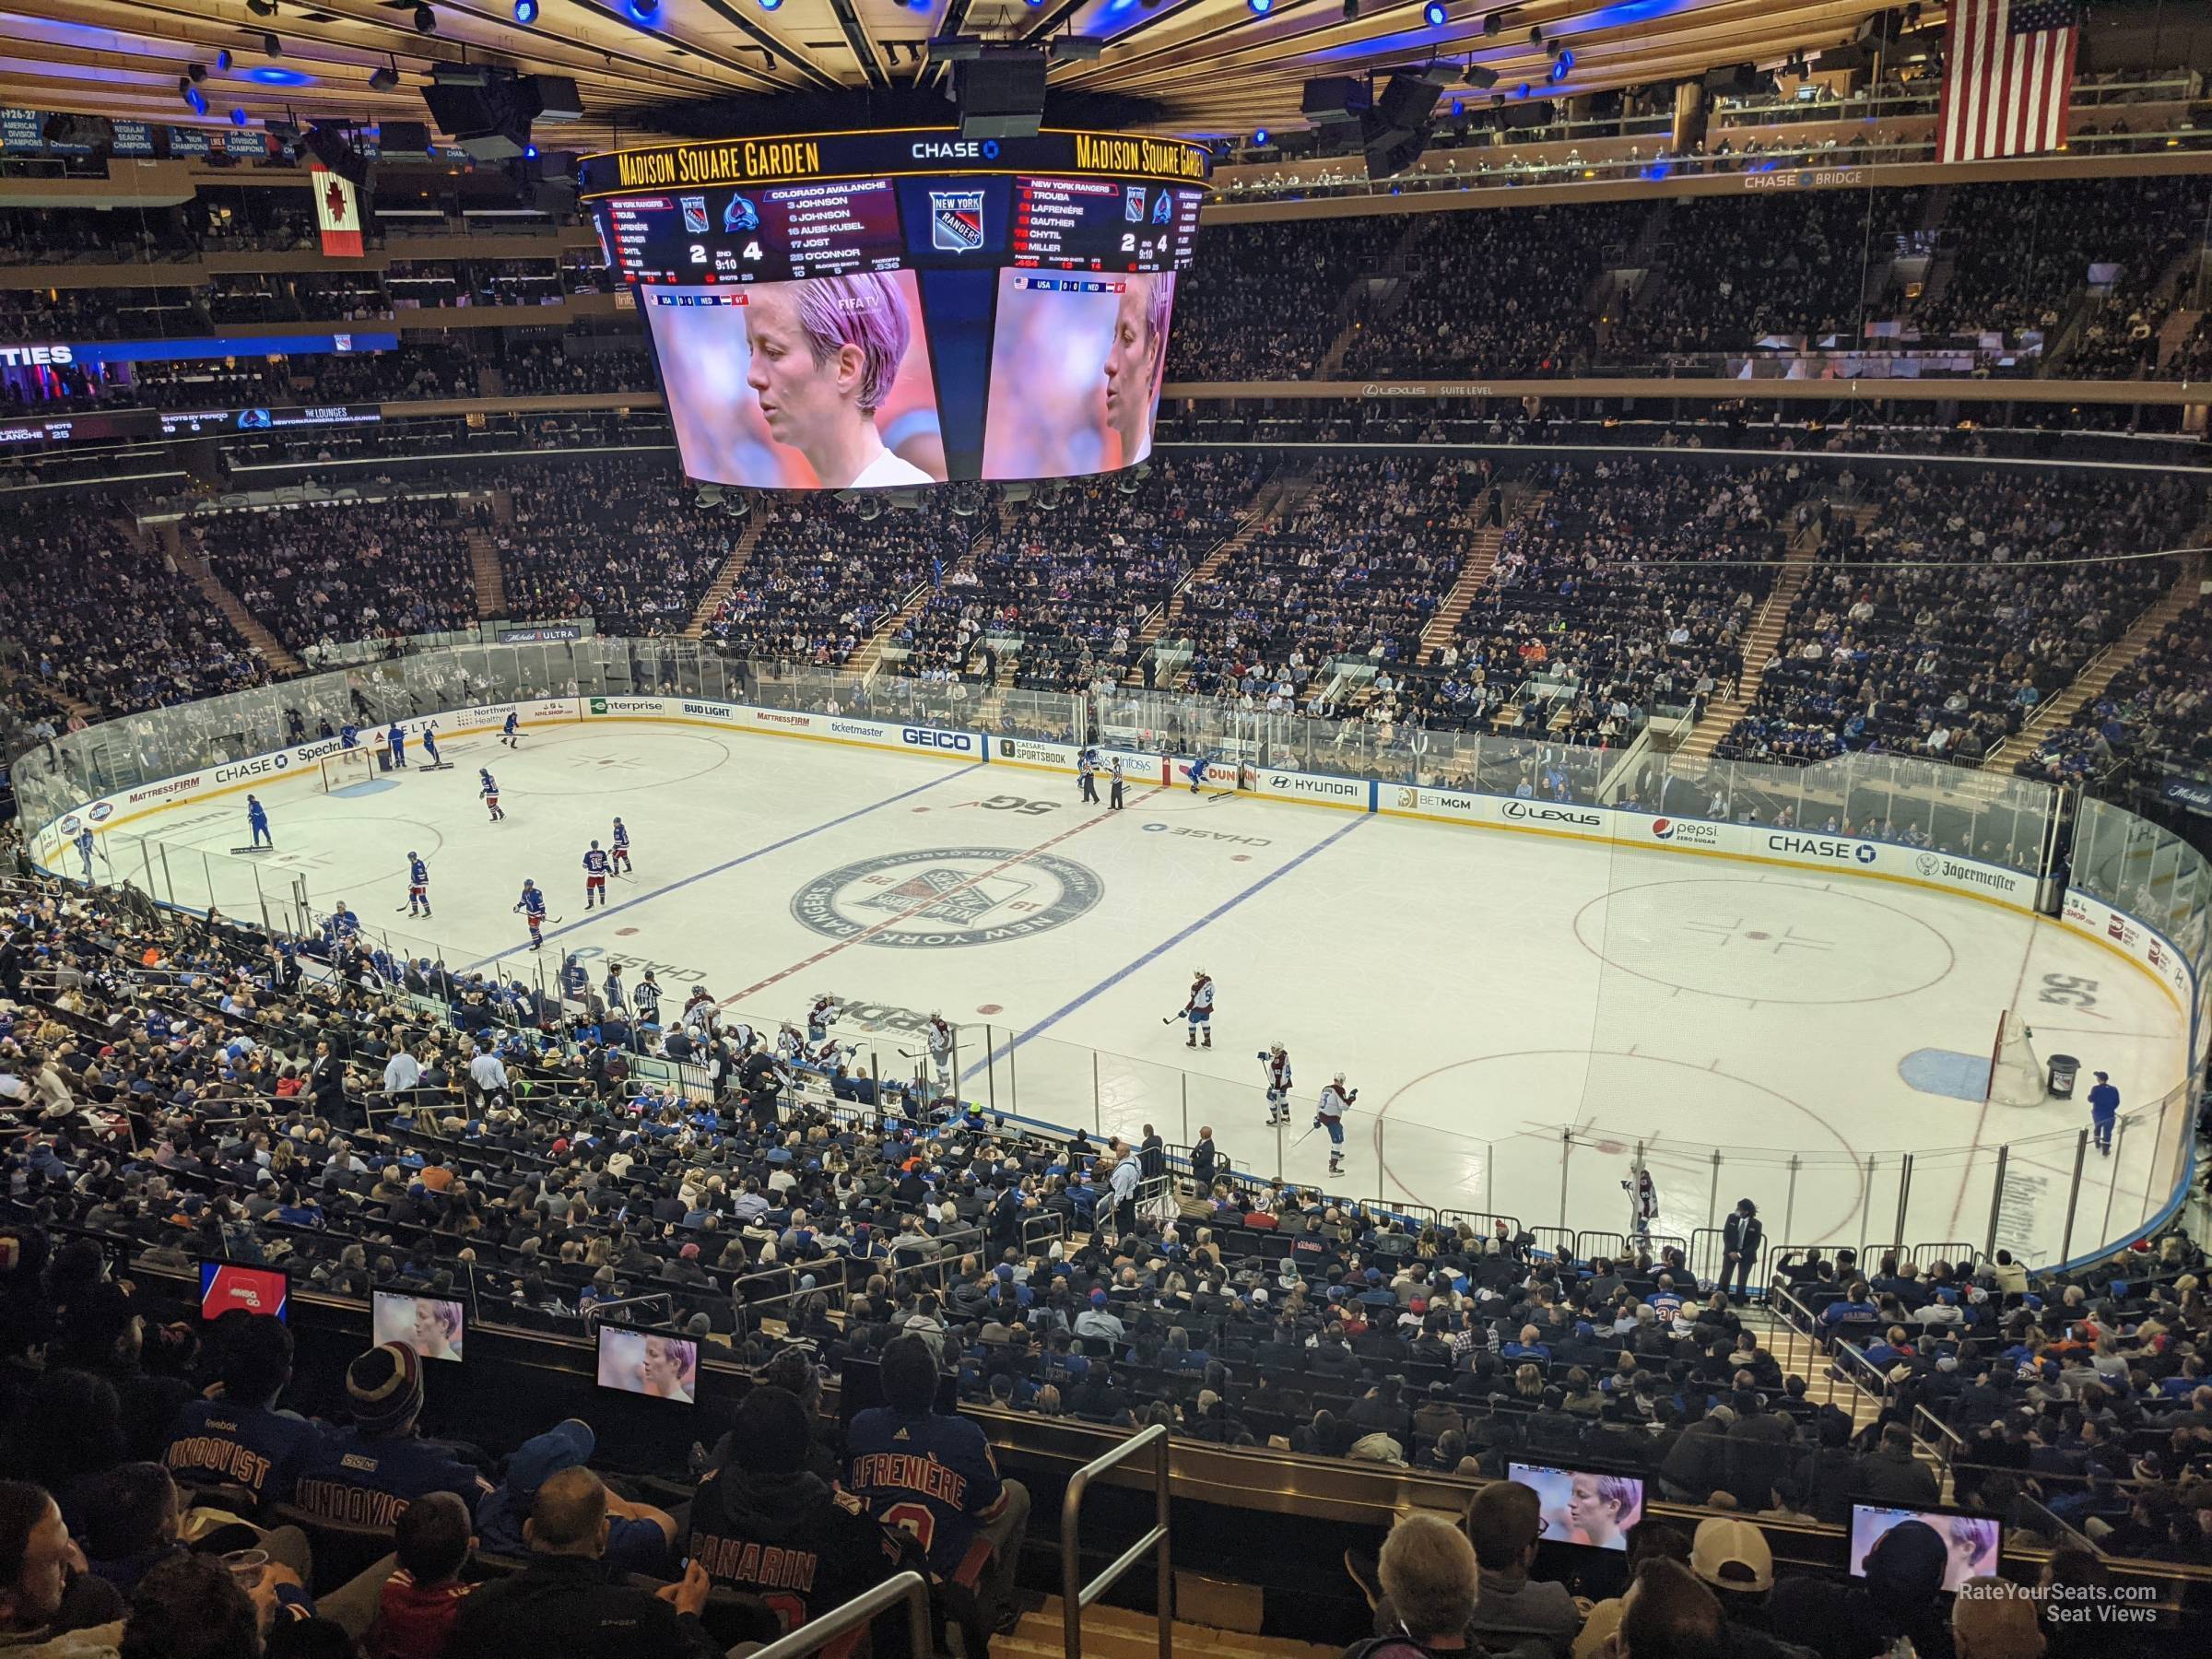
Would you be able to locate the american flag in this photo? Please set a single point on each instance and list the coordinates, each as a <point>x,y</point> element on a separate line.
<point>2008,67</point>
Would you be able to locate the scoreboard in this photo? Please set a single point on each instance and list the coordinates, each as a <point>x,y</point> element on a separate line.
<point>907,307</point>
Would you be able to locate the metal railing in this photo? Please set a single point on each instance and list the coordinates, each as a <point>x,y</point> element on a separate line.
<point>909,1587</point>
<point>1075,1596</point>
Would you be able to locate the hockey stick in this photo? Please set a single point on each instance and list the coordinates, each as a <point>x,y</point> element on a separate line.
<point>1171,1018</point>
<point>1301,1139</point>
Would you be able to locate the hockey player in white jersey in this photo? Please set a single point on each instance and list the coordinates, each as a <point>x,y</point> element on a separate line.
<point>790,1046</point>
<point>820,1016</point>
<point>1275,1065</point>
<point>940,1035</point>
<point>1643,1203</point>
<point>1199,1010</point>
<point>1335,1099</point>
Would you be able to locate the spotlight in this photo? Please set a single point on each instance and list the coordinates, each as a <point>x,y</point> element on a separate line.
<point>1459,108</point>
<point>1260,8</point>
<point>382,80</point>
<point>194,97</point>
<point>1434,14</point>
<point>1521,91</point>
<point>195,73</point>
<point>529,152</point>
<point>238,118</point>
<point>525,12</point>
<point>1536,34</point>
<point>222,61</point>
<point>1493,23</point>
<point>1482,79</point>
<point>1557,72</point>
<point>1553,48</point>
<point>770,4</point>
<point>426,21</point>
<point>1351,11</point>
<point>643,11</point>
<point>1259,139</point>
<point>271,46</point>
<point>261,8</point>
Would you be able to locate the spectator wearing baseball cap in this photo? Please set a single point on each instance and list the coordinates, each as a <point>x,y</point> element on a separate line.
<point>368,1475</point>
<point>638,1535</point>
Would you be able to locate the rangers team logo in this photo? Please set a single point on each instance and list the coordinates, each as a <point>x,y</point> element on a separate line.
<point>942,898</point>
<point>956,221</point>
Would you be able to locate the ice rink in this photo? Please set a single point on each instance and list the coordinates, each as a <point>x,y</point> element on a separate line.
<point>1518,1012</point>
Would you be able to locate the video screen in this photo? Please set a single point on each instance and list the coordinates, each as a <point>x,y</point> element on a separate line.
<point>225,1286</point>
<point>1075,369</point>
<point>432,1325</point>
<point>1582,1508</point>
<point>1972,1543</point>
<point>823,383</point>
<point>641,1362</point>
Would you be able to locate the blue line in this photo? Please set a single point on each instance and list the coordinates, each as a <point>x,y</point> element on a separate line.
<point>615,910</point>
<point>1161,948</point>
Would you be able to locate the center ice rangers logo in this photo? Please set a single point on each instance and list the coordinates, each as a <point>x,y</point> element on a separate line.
<point>956,221</point>
<point>941,897</point>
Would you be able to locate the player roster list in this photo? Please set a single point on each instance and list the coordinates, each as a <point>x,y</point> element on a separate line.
<point>1099,225</point>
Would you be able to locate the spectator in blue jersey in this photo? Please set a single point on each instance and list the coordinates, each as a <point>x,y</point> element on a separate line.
<point>933,1476</point>
<point>638,1535</point>
<point>368,1475</point>
<point>238,1438</point>
<point>1856,1309</point>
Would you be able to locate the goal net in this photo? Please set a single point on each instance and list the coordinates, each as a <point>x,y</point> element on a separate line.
<point>346,768</point>
<point>2016,1075</point>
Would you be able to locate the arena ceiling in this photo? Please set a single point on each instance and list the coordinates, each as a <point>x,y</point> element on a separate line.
<point>1207,68</point>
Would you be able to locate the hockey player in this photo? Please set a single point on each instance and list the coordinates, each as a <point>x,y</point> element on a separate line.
<point>940,1035</point>
<point>1329,1115</point>
<point>791,1047</point>
<point>512,733</point>
<point>1198,770</point>
<point>84,851</point>
<point>491,792</point>
<point>701,1015</point>
<point>621,848</point>
<point>1087,773</point>
<point>257,821</point>
<point>594,877</point>
<point>1643,1203</point>
<point>396,741</point>
<point>419,885</point>
<point>349,736</point>
<point>820,1016</point>
<point>1276,1064</point>
<point>575,978</point>
<point>344,924</point>
<point>1198,1012</point>
<point>532,905</point>
<point>1113,773</point>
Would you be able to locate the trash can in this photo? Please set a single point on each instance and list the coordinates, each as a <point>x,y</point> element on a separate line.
<point>2063,1069</point>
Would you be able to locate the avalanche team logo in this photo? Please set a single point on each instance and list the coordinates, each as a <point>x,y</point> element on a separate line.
<point>956,221</point>
<point>942,898</point>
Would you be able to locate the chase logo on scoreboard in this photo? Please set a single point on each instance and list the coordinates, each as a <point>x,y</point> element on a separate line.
<point>940,898</point>
<point>956,221</point>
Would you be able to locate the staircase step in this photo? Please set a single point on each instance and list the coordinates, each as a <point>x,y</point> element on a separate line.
<point>1120,1633</point>
<point>725,579</point>
<point>249,626</point>
<point>491,582</point>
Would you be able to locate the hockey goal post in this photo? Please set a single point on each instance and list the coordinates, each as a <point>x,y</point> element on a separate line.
<point>345,768</point>
<point>2015,1073</point>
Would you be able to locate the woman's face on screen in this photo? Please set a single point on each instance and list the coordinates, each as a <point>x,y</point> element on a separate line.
<point>800,398</point>
<point>1129,367</point>
<point>660,1371</point>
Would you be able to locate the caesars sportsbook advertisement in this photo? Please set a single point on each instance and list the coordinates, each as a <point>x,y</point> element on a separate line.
<point>857,310</point>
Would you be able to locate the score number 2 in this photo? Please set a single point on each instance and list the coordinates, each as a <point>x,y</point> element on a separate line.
<point>699,252</point>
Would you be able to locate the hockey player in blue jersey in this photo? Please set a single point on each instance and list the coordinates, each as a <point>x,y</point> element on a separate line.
<point>349,736</point>
<point>257,821</point>
<point>512,733</point>
<point>1197,771</point>
<point>491,792</point>
<point>595,878</point>
<point>621,846</point>
<point>575,979</point>
<point>533,906</point>
<point>396,741</point>
<point>84,851</point>
<point>419,885</point>
<point>430,746</point>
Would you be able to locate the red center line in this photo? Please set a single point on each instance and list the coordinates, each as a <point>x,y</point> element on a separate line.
<point>930,903</point>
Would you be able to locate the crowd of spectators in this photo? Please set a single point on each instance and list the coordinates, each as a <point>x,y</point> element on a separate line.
<point>2153,714</point>
<point>1966,599</point>
<point>1062,593</point>
<point>1262,302</point>
<point>549,368</point>
<point>1346,579</point>
<point>821,577</point>
<point>616,537</point>
<point>356,570</point>
<point>105,622</point>
<point>1628,584</point>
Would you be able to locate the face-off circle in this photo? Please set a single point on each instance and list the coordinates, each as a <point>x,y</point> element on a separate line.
<point>942,897</point>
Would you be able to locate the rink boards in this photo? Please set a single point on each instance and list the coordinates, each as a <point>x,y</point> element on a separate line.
<point>2131,940</point>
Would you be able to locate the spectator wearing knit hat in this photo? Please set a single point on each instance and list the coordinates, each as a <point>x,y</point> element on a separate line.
<point>367,1475</point>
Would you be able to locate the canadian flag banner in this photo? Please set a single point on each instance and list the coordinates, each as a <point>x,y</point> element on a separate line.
<point>337,214</point>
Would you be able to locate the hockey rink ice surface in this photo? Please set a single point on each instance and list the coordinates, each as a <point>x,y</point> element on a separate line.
<point>1483,991</point>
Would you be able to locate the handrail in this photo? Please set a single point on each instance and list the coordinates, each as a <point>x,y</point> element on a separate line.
<point>1075,1596</point>
<point>910,1587</point>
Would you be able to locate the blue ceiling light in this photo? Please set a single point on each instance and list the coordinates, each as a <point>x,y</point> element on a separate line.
<point>1260,8</point>
<point>272,75</point>
<point>1434,14</point>
<point>770,4</point>
<point>1259,138</point>
<point>529,152</point>
<point>1459,108</point>
<point>645,11</point>
<point>195,99</point>
<point>238,118</point>
<point>525,12</point>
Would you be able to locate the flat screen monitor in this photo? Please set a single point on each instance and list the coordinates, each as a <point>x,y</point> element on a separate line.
<point>1972,1543</point>
<point>434,1326</point>
<point>1581,1507</point>
<point>226,1285</point>
<point>651,1363</point>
